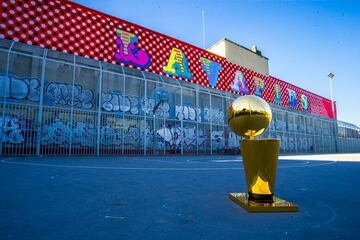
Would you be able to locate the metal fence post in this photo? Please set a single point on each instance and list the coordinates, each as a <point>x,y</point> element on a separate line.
<point>336,135</point>
<point>4,94</point>
<point>72,104</point>
<point>145,123</point>
<point>99,111</point>
<point>41,103</point>
<point>210,116</point>
<point>123,116</point>
<point>197,120</point>
<point>182,121</point>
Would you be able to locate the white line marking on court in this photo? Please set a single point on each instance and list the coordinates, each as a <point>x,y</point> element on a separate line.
<point>330,219</point>
<point>188,161</point>
<point>154,168</point>
<point>309,165</point>
<point>119,168</point>
<point>225,161</point>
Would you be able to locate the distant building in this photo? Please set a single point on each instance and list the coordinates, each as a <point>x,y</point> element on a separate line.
<point>240,55</point>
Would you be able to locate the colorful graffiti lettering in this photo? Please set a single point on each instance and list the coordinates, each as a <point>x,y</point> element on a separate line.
<point>177,64</point>
<point>259,85</point>
<point>61,94</point>
<point>186,113</point>
<point>211,69</point>
<point>233,140</point>
<point>19,88</point>
<point>110,136</point>
<point>277,93</point>
<point>10,130</point>
<point>172,136</point>
<point>128,52</point>
<point>115,102</point>
<point>62,133</point>
<point>304,102</point>
<point>132,136</point>
<point>240,83</point>
<point>292,98</point>
<point>217,140</point>
<point>216,116</point>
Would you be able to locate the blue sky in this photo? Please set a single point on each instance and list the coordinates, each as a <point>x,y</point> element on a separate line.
<point>303,40</point>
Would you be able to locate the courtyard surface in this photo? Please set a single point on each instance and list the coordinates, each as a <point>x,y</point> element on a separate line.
<point>173,197</point>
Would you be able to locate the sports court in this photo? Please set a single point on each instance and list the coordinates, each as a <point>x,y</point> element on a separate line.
<point>173,197</point>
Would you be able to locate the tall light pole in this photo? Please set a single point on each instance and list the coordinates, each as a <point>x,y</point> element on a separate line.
<point>331,76</point>
<point>203,27</point>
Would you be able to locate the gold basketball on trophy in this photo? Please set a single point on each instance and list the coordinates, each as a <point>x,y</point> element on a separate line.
<point>249,116</point>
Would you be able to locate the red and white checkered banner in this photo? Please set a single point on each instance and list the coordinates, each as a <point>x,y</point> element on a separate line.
<point>71,28</point>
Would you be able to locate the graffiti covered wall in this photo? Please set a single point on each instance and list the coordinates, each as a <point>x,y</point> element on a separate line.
<point>69,27</point>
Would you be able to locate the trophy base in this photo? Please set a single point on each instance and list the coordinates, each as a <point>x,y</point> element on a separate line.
<point>279,205</point>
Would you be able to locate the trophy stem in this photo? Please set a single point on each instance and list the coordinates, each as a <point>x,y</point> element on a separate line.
<point>260,158</point>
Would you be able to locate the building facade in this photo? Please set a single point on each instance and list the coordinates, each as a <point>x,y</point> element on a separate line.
<point>76,81</point>
<point>240,55</point>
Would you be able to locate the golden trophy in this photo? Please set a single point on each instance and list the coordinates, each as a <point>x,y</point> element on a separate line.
<point>249,116</point>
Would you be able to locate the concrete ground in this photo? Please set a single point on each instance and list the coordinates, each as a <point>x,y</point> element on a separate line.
<point>173,197</point>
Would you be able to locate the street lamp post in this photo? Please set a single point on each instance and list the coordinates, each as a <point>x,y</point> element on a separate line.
<point>331,76</point>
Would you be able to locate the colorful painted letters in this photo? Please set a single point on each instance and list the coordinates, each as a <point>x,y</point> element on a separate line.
<point>277,93</point>
<point>292,98</point>
<point>211,69</point>
<point>259,85</point>
<point>240,83</point>
<point>304,102</point>
<point>178,65</point>
<point>128,52</point>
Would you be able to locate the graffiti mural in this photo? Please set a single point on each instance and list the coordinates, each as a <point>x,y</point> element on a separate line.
<point>177,64</point>
<point>217,140</point>
<point>147,105</point>
<point>189,136</point>
<point>128,52</point>
<point>10,130</point>
<point>62,133</point>
<point>280,125</point>
<point>215,116</point>
<point>19,88</point>
<point>187,113</point>
<point>61,94</point>
<point>233,140</point>
<point>115,102</point>
<point>110,136</point>
<point>211,69</point>
<point>240,83</point>
<point>172,136</point>
<point>133,137</point>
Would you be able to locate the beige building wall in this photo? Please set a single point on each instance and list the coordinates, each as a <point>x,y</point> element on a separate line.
<point>240,55</point>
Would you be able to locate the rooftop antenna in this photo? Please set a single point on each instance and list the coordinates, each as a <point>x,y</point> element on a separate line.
<point>203,27</point>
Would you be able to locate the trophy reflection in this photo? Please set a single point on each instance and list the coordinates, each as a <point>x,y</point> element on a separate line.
<point>249,116</point>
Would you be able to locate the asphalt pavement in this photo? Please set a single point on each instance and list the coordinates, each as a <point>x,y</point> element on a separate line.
<point>172,197</point>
